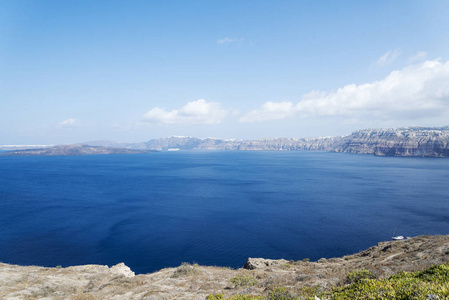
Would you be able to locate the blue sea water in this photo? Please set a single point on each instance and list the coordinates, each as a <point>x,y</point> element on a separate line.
<point>158,210</point>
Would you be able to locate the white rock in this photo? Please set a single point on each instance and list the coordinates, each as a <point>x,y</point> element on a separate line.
<point>123,269</point>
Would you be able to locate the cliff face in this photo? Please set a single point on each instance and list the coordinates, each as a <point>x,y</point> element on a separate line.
<point>196,282</point>
<point>190,143</point>
<point>413,141</point>
<point>429,142</point>
<point>410,141</point>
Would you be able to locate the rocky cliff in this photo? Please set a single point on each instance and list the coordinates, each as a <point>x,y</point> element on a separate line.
<point>190,143</point>
<point>258,277</point>
<point>413,141</point>
<point>410,141</point>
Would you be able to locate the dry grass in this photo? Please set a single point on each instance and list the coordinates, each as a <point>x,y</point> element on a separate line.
<point>82,297</point>
<point>185,269</point>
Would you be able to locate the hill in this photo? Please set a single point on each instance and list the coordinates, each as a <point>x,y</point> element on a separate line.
<point>70,150</point>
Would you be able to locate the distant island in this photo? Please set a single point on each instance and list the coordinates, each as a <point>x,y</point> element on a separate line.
<point>407,141</point>
<point>70,150</point>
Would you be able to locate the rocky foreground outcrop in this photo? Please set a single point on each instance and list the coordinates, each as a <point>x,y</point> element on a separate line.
<point>196,282</point>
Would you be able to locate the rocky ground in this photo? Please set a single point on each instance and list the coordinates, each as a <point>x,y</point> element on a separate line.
<point>187,281</point>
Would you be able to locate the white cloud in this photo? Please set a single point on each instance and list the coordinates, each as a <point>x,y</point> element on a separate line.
<point>227,40</point>
<point>416,91</point>
<point>419,56</point>
<point>68,123</point>
<point>388,57</point>
<point>270,111</point>
<point>195,112</point>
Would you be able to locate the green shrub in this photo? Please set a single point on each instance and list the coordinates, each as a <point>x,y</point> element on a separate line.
<point>435,273</point>
<point>280,293</point>
<point>358,276</point>
<point>308,292</point>
<point>432,282</point>
<point>243,281</point>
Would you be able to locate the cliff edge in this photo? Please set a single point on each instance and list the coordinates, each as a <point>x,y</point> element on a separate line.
<point>407,141</point>
<point>196,282</point>
<point>411,141</point>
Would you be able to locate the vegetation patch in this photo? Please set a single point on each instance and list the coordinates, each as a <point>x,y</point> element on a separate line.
<point>243,281</point>
<point>281,293</point>
<point>432,283</point>
<point>185,269</point>
<point>358,276</point>
<point>308,292</point>
<point>236,297</point>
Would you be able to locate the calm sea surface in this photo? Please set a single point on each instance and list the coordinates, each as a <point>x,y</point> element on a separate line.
<point>158,210</point>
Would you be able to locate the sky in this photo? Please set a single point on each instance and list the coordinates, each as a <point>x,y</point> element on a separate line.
<point>130,71</point>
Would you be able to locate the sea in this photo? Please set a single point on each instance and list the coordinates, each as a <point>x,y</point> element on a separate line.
<point>160,209</point>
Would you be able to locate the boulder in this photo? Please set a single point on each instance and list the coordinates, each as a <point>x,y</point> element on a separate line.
<point>260,263</point>
<point>122,269</point>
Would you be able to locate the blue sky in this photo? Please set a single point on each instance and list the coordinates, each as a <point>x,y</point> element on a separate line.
<point>74,71</point>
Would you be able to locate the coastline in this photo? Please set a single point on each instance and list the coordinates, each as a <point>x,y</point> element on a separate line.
<point>196,282</point>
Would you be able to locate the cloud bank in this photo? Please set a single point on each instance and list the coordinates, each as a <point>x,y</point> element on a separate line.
<point>193,113</point>
<point>413,92</point>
